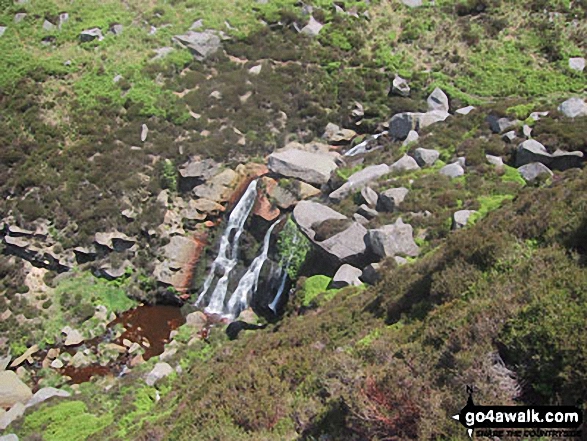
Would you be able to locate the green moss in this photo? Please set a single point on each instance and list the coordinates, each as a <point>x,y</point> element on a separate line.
<point>313,286</point>
<point>66,421</point>
<point>487,204</point>
<point>512,174</point>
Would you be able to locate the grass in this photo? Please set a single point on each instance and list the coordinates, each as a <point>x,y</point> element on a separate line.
<point>316,285</point>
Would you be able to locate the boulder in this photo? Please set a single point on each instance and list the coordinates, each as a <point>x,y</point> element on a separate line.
<point>179,251</point>
<point>200,44</point>
<point>48,26</point>
<point>531,172</point>
<point>535,116</point>
<point>404,164</point>
<point>2,30</point>
<point>9,437</point>
<point>465,110</point>
<point>531,151</point>
<point>313,28</point>
<point>391,198</point>
<point>453,170</point>
<point>44,394</point>
<point>500,125</point>
<point>432,117</point>
<point>114,241</point>
<point>19,17</point>
<point>206,206</point>
<point>13,390</point>
<point>401,124</point>
<point>412,3</point>
<point>91,35</point>
<point>26,356</point>
<point>369,196</point>
<point>116,29</point>
<point>335,134</point>
<point>561,160</point>
<point>426,157</point>
<point>13,414</point>
<point>218,188</point>
<point>437,100</point>
<point>196,319</point>
<point>412,137</point>
<point>195,171</point>
<point>144,132</point>
<point>345,276</point>
<point>527,131</point>
<point>577,63</point>
<point>308,213</point>
<point>400,87</point>
<point>161,370</point>
<point>496,161</point>
<point>371,273</point>
<point>460,218</point>
<point>4,362</point>
<point>367,212</point>
<point>313,168</point>
<point>359,180</point>
<point>360,219</point>
<point>393,239</point>
<point>112,271</point>
<point>573,108</point>
<point>256,70</point>
<point>73,336</point>
<point>509,137</point>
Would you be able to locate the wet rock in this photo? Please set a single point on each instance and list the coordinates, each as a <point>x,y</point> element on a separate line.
<point>13,390</point>
<point>437,100</point>
<point>200,44</point>
<point>426,157</point>
<point>264,209</point>
<point>371,273</point>
<point>161,370</point>
<point>573,108</point>
<point>90,35</point>
<point>500,125</point>
<point>535,170</point>
<point>359,180</point>
<point>577,63</point>
<point>313,28</point>
<point>391,198</point>
<point>404,164</point>
<point>345,276</point>
<point>13,414</point>
<point>369,196</point>
<point>460,218</point>
<point>394,239</point>
<point>453,170</point>
<point>465,110</point>
<point>400,87</point>
<point>312,168</point>
<point>412,137</point>
<point>44,394</point>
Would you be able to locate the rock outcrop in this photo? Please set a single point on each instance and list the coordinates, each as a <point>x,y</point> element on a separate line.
<point>359,180</point>
<point>394,239</point>
<point>313,168</point>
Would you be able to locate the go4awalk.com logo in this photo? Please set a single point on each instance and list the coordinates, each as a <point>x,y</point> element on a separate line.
<point>520,421</point>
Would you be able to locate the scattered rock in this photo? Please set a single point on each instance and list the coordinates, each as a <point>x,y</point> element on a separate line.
<point>400,87</point>
<point>256,70</point>
<point>532,151</point>
<point>161,52</point>
<point>359,218</point>
<point>573,108</point>
<point>437,100</point>
<point>412,137</point>
<point>312,168</point>
<point>4,362</point>
<point>196,319</point>
<point>90,35</point>
<point>391,198</point>
<point>80,360</point>
<point>465,110</point>
<point>56,364</point>
<point>345,276</point>
<point>200,44</point>
<point>13,414</point>
<point>2,30</point>
<point>537,115</point>
<point>48,26</point>
<point>404,164</point>
<point>390,240</point>
<point>367,212</point>
<point>144,132</point>
<point>369,196</point>
<point>499,125</point>
<point>426,157</point>
<point>19,17</point>
<point>195,171</point>
<point>63,18</point>
<point>313,28</point>
<point>495,160</point>
<point>26,356</point>
<point>412,3</point>
<point>112,271</point>
<point>371,274</point>
<point>358,180</point>
<point>527,131</point>
<point>207,206</point>
<point>402,124</point>
<point>116,29</point>
<point>13,390</point>
<point>509,137</point>
<point>460,218</point>
<point>10,436</point>
<point>531,172</point>
<point>114,241</point>
<point>577,63</point>
<point>306,191</point>
<point>432,117</point>
<point>453,170</point>
<point>44,394</point>
<point>73,336</point>
<point>161,370</point>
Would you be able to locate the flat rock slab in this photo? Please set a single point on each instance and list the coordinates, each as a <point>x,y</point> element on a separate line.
<point>13,390</point>
<point>359,180</point>
<point>45,393</point>
<point>200,44</point>
<point>313,168</point>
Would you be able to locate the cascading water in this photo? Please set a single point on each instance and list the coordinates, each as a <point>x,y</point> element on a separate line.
<point>227,254</point>
<point>283,275</point>
<point>248,283</point>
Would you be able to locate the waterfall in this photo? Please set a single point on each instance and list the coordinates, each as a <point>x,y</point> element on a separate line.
<point>248,283</point>
<point>283,274</point>
<point>228,252</point>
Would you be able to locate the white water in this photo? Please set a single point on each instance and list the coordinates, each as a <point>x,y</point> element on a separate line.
<point>247,285</point>
<point>228,252</point>
<point>275,302</point>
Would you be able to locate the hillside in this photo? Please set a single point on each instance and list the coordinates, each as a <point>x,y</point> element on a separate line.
<point>276,220</point>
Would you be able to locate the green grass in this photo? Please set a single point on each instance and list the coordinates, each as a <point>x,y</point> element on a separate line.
<point>487,204</point>
<point>512,174</point>
<point>316,285</point>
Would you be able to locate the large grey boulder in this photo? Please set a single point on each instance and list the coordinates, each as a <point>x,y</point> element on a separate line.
<point>391,198</point>
<point>313,28</point>
<point>13,390</point>
<point>496,161</point>
<point>44,394</point>
<point>307,214</point>
<point>179,251</point>
<point>573,108</point>
<point>334,134</point>
<point>358,180</point>
<point>437,100</point>
<point>404,164</point>
<point>394,239</point>
<point>453,170</point>
<point>426,156</point>
<point>460,218</point>
<point>13,414</point>
<point>561,160</point>
<point>48,26</point>
<point>371,273</point>
<point>115,241</point>
<point>345,276</point>
<point>531,172</point>
<point>19,17</point>
<point>196,170</point>
<point>465,110</point>
<point>400,87</point>
<point>577,63</point>
<point>401,124</point>
<point>161,370</point>
<point>370,196</point>
<point>91,35</point>
<point>531,151</point>
<point>412,137</point>
<point>500,125</point>
<point>313,168</point>
<point>431,117</point>
<point>200,44</point>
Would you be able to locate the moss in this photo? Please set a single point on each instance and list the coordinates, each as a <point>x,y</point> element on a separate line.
<point>314,286</point>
